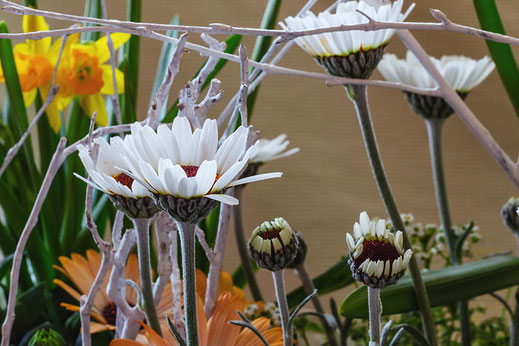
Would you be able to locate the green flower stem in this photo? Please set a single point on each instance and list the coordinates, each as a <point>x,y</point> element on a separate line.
<point>187,242</point>
<point>279,285</point>
<point>143,250</point>
<point>306,280</point>
<point>242,248</point>
<point>514,324</point>
<point>359,96</point>
<point>434,131</point>
<point>375,311</point>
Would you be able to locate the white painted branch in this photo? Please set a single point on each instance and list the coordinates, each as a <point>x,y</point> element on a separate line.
<point>164,266</point>
<point>201,239</point>
<point>162,92</point>
<point>176,283</point>
<point>55,164</point>
<point>461,109</point>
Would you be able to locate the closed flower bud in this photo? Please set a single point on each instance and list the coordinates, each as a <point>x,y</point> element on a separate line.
<point>376,256</point>
<point>273,245</point>
<point>510,216</point>
<point>302,248</point>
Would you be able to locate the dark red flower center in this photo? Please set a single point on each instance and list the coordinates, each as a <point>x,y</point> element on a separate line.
<point>377,250</point>
<point>190,170</point>
<point>124,179</point>
<point>110,313</point>
<point>270,234</point>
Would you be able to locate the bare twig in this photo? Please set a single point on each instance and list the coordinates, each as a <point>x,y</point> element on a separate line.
<point>55,164</point>
<point>176,283</point>
<point>461,109</point>
<point>218,28</point>
<point>164,266</point>
<point>217,262</point>
<point>162,92</point>
<point>244,87</point>
<point>201,239</point>
<point>189,95</point>
<point>53,91</point>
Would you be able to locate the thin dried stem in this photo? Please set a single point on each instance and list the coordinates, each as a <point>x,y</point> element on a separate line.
<point>163,91</point>
<point>201,239</point>
<point>55,164</point>
<point>178,315</point>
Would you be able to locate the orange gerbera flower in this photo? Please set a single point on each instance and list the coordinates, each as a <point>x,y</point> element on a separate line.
<point>217,330</point>
<point>82,272</point>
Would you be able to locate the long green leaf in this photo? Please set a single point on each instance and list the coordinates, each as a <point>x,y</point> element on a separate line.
<point>166,54</point>
<point>262,44</point>
<point>444,286</point>
<point>130,65</point>
<point>19,123</point>
<point>335,278</point>
<point>232,43</point>
<point>506,65</point>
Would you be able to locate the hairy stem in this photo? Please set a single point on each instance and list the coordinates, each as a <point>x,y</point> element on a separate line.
<point>359,96</point>
<point>143,250</point>
<point>187,242</point>
<point>434,131</point>
<point>279,286</point>
<point>242,249</point>
<point>306,280</point>
<point>375,312</point>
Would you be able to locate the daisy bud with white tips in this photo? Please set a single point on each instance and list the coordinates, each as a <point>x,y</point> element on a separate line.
<point>273,245</point>
<point>376,255</point>
<point>462,73</point>
<point>107,175</point>
<point>351,54</point>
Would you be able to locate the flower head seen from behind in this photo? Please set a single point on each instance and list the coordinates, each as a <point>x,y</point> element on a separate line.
<point>127,194</point>
<point>376,255</point>
<point>273,245</point>
<point>185,170</point>
<point>462,73</point>
<point>352,54</point>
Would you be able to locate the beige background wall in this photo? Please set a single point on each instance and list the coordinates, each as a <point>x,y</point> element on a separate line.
<point>329,182</point>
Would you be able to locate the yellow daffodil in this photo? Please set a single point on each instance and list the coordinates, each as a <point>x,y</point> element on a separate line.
<point>82,72</point>
<point>32,60</point>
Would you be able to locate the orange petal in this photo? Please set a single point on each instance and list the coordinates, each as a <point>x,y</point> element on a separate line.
<point>220,331</point>
<point>68,289</point>
<point>125,342</point>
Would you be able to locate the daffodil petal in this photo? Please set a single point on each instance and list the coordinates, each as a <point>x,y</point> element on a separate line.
<point>101,45</point>
<point>108,83</point>
<point>29,96</point>
<point>94,103</point>
<point>37,23</point>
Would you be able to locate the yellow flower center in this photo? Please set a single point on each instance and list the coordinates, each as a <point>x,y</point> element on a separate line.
<point>86,76</point>
<point>33,70</point>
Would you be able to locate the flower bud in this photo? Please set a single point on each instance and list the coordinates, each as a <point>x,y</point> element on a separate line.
<point>509,214</point>
<point>376,256</point>
<point>302,248</point>
<point>273,245</point>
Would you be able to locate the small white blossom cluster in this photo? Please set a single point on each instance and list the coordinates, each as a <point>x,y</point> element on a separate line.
<point>429,239</point>
<point>269,310</point>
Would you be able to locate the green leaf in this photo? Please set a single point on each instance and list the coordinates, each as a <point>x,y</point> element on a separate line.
<point>30,3</point>
<point>29,308</point>
<point>232,43</point>
<point>336,277</point>
<point>130,65</point>
<point>19,123</point>
<point>263,43</point>
<point>93,9</point>
<point>444,286</point>
<point>506,65</point>
<point>166,54</point>
<point>238,277</point>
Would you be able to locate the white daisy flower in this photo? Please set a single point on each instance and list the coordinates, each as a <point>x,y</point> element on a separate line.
<point>188,164</point>
<point>376,255</point>
<point>107,172</point>
<point>272,149</point>
<point>346,42</point>
<point>462,73</point>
